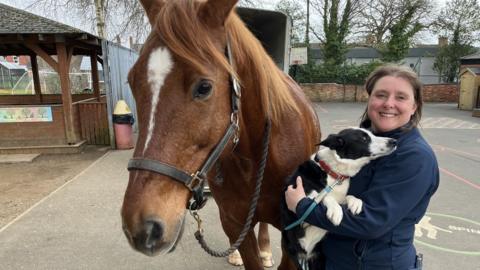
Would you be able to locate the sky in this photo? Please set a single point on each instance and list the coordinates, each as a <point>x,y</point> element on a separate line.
<point>425,38</point>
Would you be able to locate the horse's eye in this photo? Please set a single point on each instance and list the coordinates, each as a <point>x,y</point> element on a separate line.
<point>202,90</point>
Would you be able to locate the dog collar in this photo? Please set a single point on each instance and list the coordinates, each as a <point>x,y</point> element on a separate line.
<point>330,172</point>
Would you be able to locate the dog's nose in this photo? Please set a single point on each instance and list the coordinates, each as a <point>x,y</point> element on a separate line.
<point>392,143</point>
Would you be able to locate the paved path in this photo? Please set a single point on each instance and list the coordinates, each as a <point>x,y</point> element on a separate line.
<point>78,226</point>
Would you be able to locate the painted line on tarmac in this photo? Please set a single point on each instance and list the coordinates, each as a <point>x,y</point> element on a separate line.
<point>53,192</point>
<point>460,178</point>
<point>441,147</point>
<point>436,247</point>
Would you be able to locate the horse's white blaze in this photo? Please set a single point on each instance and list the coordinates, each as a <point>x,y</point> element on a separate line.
<point>159,65</point>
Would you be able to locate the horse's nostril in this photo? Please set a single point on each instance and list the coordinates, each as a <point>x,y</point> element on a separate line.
<point>153,233</point>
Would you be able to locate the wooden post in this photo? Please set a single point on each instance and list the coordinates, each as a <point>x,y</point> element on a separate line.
<point>36,78</point>
<point>63,67</point>
<point>95,80</point>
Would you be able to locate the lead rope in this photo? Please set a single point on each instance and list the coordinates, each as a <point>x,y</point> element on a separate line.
<point>251,211</point>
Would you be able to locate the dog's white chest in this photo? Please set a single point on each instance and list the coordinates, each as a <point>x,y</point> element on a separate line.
<point>339,192</point>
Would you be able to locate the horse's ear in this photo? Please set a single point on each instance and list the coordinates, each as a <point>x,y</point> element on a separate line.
<point>152,7</point>
<point>215,12</point>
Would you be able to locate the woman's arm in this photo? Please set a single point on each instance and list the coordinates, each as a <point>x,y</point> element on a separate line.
<point>396,188</point>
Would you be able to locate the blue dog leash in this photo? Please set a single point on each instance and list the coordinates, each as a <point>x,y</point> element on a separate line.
<point>315,202</point>
<point>338,180</point>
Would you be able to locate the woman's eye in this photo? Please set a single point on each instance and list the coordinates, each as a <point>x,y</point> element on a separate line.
<point>202,90</point>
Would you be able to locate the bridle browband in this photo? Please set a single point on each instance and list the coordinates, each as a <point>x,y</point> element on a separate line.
<point>195,182</point>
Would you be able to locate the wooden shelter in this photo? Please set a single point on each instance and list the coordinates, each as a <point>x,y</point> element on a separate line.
<point>469,88</point>
<point>24,33</point>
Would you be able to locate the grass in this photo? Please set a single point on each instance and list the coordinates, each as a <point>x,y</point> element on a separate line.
<point>8,92</point>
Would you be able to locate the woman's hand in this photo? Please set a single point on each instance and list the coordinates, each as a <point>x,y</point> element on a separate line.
<point>294,195</point>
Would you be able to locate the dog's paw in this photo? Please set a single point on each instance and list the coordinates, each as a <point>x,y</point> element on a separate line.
<point>335,214</point>
<point>354,204</point>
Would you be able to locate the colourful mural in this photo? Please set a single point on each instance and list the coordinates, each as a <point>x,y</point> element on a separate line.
<point>25,114</point>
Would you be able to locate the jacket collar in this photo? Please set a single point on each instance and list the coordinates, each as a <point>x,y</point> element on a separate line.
<point>395,134</point>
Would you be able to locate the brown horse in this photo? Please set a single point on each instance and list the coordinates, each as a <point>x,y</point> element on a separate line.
<point>182,87</point>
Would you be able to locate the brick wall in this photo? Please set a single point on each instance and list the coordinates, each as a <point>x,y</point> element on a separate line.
<point>332,92</point>
<point>34,133</point>
<point>441,93</point>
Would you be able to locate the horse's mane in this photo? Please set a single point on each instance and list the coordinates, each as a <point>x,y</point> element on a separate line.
<point>186,35</point>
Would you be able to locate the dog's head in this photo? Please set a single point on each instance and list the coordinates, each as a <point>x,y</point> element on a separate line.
<point>359,143</point>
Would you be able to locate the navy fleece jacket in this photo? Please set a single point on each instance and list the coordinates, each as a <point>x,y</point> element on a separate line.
<point>395,191</point>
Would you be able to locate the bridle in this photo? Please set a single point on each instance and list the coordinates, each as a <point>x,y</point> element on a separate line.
<point>195,182</point>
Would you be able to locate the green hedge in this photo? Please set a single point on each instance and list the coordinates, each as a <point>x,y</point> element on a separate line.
<point>346,74</point>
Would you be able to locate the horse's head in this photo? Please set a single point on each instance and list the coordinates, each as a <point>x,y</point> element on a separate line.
<point>182,91</point>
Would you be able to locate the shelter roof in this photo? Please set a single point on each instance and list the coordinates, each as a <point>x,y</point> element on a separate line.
<point>20,30</point>
<point>473,70</point>
<point>17,21</point>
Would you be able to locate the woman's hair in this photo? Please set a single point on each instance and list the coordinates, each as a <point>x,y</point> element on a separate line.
<point>403,72</point>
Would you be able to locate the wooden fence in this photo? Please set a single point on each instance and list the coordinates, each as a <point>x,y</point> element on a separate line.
<point>94,122</point>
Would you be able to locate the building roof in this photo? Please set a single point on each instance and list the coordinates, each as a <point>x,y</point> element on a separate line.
<point>11,66</point>
<point>472,56</point>
<point>369,52</point>
<point>17,21</point>
<point>473,70</point>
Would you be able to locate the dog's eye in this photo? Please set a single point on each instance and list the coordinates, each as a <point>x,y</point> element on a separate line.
<point>365,138</point>
<point>340,141</point>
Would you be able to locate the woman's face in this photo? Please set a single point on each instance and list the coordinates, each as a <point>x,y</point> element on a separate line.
<point>391,103</point>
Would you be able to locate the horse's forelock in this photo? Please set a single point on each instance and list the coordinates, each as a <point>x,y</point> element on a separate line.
<point>183,32</point>
<point>189,38</point>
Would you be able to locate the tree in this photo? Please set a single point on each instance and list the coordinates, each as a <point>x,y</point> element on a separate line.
<point>336,27</point>
<point>297,14</point>
<point>401,34</point>
<point>459,21</point>
<point>112,19</point>
<point>378,17</point>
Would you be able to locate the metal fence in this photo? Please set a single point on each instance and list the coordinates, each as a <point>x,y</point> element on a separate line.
<point>117,61</point>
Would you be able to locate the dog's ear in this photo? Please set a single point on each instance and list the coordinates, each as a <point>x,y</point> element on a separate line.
<point>333,142</point>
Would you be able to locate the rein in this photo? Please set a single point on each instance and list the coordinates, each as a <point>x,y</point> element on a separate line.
<point>195,182</point>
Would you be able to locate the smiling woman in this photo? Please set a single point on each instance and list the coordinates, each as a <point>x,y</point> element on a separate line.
<point>395,98</point>
<point>395,189</point>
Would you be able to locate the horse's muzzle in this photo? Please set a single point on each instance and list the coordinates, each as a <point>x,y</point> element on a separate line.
<point>151,239</point>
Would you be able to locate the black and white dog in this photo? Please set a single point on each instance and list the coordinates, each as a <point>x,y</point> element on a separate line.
<point>342,156</point>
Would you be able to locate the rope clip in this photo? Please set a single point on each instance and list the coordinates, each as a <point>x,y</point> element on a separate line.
<point>197,218</point>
